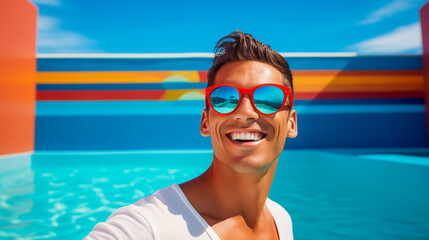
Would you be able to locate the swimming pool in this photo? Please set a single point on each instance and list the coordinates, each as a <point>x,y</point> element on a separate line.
<point>330,194</point>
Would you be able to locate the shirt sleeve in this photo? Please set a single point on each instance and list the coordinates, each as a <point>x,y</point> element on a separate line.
<point>283,220</point>
<point>123,224</point>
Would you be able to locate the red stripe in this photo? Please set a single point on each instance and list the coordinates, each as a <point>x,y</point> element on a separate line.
<point>357,95</point>
<point>101,95</point>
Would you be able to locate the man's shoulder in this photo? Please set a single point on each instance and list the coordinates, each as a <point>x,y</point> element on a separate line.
<point>278,212</point>
<point>151,207</point>
<point>143,219</point>
<point>282,219</point>
<point>158,196</point>
<point>161,201</point>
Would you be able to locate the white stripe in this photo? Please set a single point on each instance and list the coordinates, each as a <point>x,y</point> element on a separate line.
<point>343,54</point>
<point>201,55</point>
<point>320,54</point>
<point>125,55</point>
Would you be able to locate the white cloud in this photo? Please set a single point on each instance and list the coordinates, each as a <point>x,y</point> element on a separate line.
<point>388,10</point>
<point>47,2</point>
<point>402,39</point>
<point>52,39</point>
<point>47,23</point>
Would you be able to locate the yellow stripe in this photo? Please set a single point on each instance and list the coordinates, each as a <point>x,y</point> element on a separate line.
<point>117,77</point>
<point>178,94</point>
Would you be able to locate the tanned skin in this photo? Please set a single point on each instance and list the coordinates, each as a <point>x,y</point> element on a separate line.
<point>231,194</point>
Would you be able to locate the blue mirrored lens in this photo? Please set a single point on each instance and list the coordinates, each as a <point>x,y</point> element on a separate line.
<point>268,99</point>
<point>224,99</point>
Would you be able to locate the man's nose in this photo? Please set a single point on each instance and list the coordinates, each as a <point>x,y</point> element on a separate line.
<point>245,110</point>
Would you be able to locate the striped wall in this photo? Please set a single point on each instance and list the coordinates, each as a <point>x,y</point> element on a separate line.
<point>154,103</point>
<point>189,85</point>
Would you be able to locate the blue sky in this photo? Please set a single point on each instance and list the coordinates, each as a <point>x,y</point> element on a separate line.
<point>140,26</point>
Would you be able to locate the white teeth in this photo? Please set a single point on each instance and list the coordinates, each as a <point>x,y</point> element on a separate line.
<point>246,136</point>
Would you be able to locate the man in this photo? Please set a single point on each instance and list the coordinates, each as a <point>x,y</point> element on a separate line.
<point>248,115</point>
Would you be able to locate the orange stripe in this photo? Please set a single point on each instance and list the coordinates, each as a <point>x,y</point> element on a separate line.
<point>352,80</point>
<point>118,77</point>
<point>356,73</point>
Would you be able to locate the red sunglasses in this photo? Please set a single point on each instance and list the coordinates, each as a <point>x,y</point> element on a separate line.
<point>267,99</point>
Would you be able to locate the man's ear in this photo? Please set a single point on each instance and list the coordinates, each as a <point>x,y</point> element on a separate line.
<point>292,124</point>
<point>205,126</point>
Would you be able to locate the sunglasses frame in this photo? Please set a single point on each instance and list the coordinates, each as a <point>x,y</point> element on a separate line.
<point>241,91</point>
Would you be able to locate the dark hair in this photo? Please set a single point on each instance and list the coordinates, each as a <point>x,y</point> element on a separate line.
<point>239,46</point>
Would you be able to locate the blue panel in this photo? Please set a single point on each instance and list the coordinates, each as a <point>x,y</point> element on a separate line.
<point>360,101</point>
<point>106,64</point>
<point>360,109</point>
<point>203,64</point>
<point>119,132</point>
<point>374,130</point>
<point>109,132</point>
<point>357,63</point>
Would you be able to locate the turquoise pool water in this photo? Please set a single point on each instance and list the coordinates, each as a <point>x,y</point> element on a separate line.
<point>330,194</point>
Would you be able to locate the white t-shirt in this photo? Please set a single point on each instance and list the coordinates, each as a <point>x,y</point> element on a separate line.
<point>167,214</point>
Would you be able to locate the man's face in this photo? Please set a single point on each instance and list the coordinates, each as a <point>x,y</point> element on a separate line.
<point>252,156</point>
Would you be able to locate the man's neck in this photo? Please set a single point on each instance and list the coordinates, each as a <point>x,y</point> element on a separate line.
<point>221,193</point>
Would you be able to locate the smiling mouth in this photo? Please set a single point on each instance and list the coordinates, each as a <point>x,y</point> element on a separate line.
<point>246,137</point>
